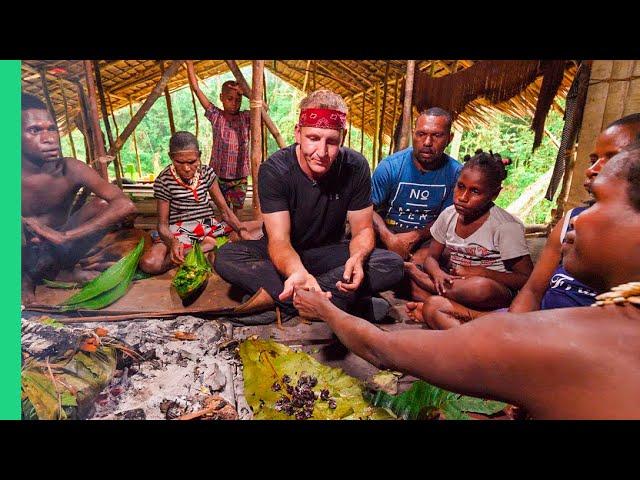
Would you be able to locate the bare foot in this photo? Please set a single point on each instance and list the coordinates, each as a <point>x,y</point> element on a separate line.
<point>414,311</point>
<point>28,291</point>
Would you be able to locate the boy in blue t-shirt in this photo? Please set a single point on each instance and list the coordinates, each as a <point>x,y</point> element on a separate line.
<point>411,187</point>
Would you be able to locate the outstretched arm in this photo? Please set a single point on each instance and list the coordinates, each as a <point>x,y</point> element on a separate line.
<point>193,82</point>
<point>477,358</point>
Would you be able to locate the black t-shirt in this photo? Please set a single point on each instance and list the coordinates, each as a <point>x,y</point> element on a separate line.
<point>318,210</point>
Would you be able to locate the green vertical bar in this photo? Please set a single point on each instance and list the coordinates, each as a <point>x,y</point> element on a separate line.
<point>10,201</point>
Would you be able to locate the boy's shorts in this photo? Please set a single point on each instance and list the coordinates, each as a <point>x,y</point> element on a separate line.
<point>234,190</point>
<point>191,230</point>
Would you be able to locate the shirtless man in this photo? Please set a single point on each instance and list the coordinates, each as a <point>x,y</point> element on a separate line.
<point>53,239</point>
<point>566,363</point>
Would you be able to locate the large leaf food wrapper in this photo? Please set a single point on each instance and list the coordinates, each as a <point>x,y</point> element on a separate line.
<point>193,274</point>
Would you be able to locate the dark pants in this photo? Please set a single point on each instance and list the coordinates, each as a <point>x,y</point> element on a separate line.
<point>247,265</point>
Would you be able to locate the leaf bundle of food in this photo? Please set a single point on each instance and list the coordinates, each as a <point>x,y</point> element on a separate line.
<point>424,401</point>
<point>192,274</point>
<point>107,287</point>
<point>275,376</point>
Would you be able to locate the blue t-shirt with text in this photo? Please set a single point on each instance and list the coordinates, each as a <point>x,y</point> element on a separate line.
<point>411,198</point>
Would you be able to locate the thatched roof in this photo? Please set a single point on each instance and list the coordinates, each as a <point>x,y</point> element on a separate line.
<point>353,79</point>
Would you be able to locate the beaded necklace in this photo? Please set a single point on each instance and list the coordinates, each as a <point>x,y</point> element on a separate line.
<point>620,295</point>
<point>192,185</point>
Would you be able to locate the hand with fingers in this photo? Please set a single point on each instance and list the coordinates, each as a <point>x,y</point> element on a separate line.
<point>442,281</point>
<point>176,254</point>
<point>310,304</point>
<point>300,280</point>
<point>353,275</point>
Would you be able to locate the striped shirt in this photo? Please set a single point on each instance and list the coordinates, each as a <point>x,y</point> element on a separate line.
<point>183,204</point>
<point>230,149</point>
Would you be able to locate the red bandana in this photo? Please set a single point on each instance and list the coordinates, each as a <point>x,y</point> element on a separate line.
<point>323,118</point>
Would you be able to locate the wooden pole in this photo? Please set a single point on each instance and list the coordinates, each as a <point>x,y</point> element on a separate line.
<point>256,133</point>
<point>263,133</point>
<point>195,111</point>
<point>406,110</point>
<point>376,128</point>
<point>115,124</point>
<point>167,98</point>
<point>382,112</point>
<point>233,66</point>
<point>349,134</point>
<point>98,143</point>
<point>45,89</point>
<point>144,108</point>
<point>135,141</point>
<point>66,118</point>
<point>395,110</point>
<point>364,99</point>
<point>85,124</point>
<point>306,77</point>
<point>117,167</point>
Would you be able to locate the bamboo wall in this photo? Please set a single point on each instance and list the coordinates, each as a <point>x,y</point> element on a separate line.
<point>614,91</point>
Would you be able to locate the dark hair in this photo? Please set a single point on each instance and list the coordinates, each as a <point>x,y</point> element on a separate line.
<point>490,164</point>
<point>31,101</point>
<point>628,120</point>
<point>438,112</point>
<point>229,83</point>
<point>627,164</point>
<point>183,141</point>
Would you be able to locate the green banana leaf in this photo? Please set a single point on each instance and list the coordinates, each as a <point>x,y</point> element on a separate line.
<point>193,273</point>
<point>266,361</point>
<point>121,271</point>
<point>424,401</point>
<point>107,287</point>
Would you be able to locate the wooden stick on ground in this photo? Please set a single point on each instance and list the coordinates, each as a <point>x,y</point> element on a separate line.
<point>278,319</point>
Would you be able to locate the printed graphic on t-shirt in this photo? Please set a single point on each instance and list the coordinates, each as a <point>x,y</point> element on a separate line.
<point>560,281</point>
<point>414,204</point>
<point>473,255</point>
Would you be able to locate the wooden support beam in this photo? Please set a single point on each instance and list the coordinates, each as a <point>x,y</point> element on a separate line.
<point>406,110</point>
<point>115,124</point>
<point>144,108</point>
<point>306,77</point>
<point>105,118</point>
<point>233,66</point>
<point>86,129</point>
<point>376,127</point>
<point>47,97</point>
<point>382,111</point>
<point>135,141</point>
<point>395,110</point>
<point>167,98</point>
<point>66,118</point>
<point>256,132</point>
<point>195,111</point>
<point>98,143</point>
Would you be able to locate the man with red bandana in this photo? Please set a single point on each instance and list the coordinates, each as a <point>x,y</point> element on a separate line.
<point>307,192</point>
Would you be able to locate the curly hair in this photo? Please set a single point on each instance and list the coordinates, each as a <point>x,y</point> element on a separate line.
<point>491,166</point>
